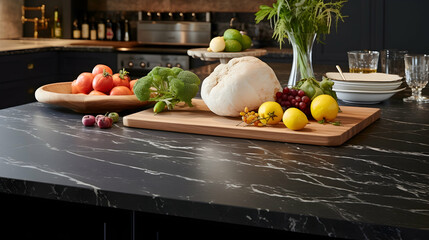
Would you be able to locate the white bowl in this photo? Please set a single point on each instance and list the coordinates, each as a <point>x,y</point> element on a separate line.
<point>365,97</point>
<point>364,77</point>
<point>366,86</point>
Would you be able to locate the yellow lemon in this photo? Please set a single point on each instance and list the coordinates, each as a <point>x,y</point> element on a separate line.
<point>217,44</point>
<point>324,107</point>
<point>294,119</point>
<point>270,113</point>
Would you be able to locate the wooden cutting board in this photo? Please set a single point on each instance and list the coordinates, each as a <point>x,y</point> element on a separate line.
<point>200,120</point>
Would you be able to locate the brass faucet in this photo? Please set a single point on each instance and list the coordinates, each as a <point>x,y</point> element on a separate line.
<point>231,22</point>
<point>41,23</point>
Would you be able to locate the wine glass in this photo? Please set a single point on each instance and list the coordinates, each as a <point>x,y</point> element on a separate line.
<point>416,75</point>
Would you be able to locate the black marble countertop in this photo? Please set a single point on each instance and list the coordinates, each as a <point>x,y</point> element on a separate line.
<point>30,45</point>
<point>374,186</point>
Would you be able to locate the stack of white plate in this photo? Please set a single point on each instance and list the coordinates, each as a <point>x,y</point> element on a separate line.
<point>368,88</point>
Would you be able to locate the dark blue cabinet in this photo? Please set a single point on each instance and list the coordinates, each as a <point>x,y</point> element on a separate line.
<point>405,25</point>
<point>23,73</point>
<point>37,218</point>
<point>376,25</point>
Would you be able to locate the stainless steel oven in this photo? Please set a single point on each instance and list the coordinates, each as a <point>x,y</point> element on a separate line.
<point>164,43</point>
<point>174,33</point>
<point>139,64</point>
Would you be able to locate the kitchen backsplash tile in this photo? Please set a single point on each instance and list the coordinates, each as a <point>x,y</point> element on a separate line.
<point>178,5</point>
<point>10,19</point>
<point>261,34</point>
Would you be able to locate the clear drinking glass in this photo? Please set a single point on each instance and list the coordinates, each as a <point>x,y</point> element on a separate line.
<point>416,75</point>
<point>363,61</point>
<point>392,61</point>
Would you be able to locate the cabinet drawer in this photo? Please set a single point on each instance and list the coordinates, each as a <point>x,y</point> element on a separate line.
<point>27,66</point>
<point>21,91</point>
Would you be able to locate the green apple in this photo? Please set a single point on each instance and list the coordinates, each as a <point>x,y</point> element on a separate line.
<point>114,116</point>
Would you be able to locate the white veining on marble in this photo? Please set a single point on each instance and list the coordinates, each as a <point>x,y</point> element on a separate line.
<point>292,224</point>
<point>25,131</point>
<point>21,164</point>
<point>145,170</point>
<point>330,232</point>
<point>390,151</point>
<point>129,151</point>
<point>74,135</point>
<point>231,185</point>
<point>403,141</point>
<point>406,122</point>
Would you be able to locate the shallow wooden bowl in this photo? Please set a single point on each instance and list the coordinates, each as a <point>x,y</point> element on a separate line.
<point>60,94</point>
<point>224,57</point>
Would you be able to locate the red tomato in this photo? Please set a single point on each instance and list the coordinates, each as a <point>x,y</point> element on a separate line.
<point>99,69</point>
<point>103,82</point>
<point>74,87</point>
<point>132,82</point>
<point>95,92</point>
<point>121,90</point>
<point>84,82</point>
<point>118,81</point>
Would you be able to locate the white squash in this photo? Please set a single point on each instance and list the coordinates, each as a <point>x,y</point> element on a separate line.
<point>242,82</point>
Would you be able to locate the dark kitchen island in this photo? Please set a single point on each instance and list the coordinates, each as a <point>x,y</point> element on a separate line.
<point>60,180</point>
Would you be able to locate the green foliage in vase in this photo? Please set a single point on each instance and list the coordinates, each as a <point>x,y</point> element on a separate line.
<point>297,17</point>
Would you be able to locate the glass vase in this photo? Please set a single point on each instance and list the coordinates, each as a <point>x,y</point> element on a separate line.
<point>302,67</point>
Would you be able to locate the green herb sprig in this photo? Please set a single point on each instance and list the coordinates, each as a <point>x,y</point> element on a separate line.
<point>336,123</point>
<point>298,17</point>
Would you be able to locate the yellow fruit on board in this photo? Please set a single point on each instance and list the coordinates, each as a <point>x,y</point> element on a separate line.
<point>232,46</point>
<point>324,107</point>
<point>217,44</point>
<point>246,42</point>
<point>294,119</point>
<point>270,112</point>
<point>232,34</point>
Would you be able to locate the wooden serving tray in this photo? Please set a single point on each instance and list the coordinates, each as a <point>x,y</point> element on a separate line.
<point>200,120</point>
<point>224,57</point>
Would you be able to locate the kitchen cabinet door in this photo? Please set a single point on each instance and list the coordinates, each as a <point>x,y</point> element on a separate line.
<point>22,74</point>
<point>37,218</point>
<point>376,25</point>
<point>159,226</point>
<point>21,91</point>
<point>358,31</point>
<point>405,25</point>
<point>28,65</point>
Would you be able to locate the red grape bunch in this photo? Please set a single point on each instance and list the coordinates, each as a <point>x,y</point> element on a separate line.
<point>290,97</point>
